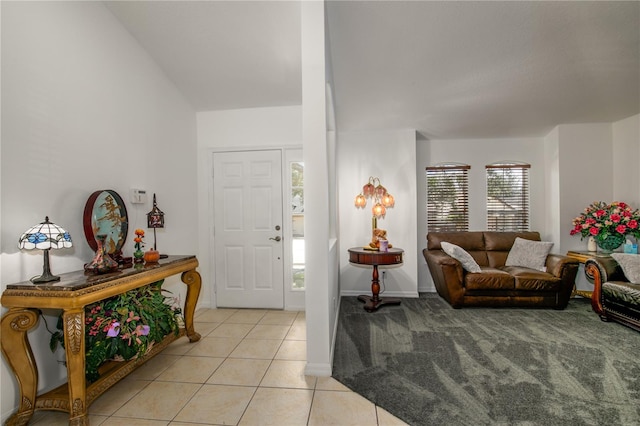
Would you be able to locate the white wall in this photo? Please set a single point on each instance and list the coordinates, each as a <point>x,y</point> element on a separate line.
<point>552,186</point>
<point>570,168</point>
<point>391,157</point>
<point>232,130</point>
<point>321,258</point>
<point>569,151</point>
<point>585,175</point>
<point>250,128</point>
<point>626,161</point>
<point>83,109</point>
<point>595,162</point>
<point>3,369</point>
<point>478,153</point>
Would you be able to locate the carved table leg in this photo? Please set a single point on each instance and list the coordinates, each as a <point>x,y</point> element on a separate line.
<point>373,302</point>
<point>593,273</point>
<point>73,321</point>
<point>17,351</point>
<point>193,281</point>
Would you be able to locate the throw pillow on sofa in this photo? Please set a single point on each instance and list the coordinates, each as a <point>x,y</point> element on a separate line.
<point>461,255</point>
<point>630,264</point>
<point>529,254</point>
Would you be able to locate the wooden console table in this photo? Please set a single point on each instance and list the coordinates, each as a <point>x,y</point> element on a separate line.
<point>582,257</point>
<point>71,294</point>
<point>362,256</point>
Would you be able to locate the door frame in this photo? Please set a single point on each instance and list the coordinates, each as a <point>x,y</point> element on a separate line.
<point>293,300</point>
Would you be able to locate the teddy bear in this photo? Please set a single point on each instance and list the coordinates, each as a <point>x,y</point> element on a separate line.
<point>378,234</point>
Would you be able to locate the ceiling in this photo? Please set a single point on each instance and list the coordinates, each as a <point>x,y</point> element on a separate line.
<point>450,70</point>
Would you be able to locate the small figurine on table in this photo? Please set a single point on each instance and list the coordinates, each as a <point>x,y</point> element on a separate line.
<point>378,235</point>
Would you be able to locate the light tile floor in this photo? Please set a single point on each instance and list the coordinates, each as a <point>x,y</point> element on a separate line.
<point>248,369</point>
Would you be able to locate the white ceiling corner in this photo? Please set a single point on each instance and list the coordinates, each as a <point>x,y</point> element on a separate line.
<point>446,69</point>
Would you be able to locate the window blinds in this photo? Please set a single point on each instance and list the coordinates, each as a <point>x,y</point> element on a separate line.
<point>448,198</point>
<point>508,197</point>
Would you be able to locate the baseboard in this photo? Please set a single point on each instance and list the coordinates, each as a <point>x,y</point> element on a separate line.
<point>319,370</point>
<point>295,308</point>
<point>408,294</point>
<point>5,416</point>
<point>204,305</point>
<point>335,332</point>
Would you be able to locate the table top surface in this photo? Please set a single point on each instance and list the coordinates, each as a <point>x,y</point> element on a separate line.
<point>78,280</point>
<point>362,256</point>
<point>374,252</point>
<point>582,256</point>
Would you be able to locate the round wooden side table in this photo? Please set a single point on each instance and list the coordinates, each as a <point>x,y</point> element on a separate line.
<point>362,256</point>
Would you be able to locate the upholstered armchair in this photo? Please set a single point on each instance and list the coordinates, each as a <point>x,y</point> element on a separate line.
<point>616,292</point>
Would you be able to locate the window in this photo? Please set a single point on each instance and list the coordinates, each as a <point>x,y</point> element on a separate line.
<point>448,197</point>
<point>508,197</point>
<point>297,224</point>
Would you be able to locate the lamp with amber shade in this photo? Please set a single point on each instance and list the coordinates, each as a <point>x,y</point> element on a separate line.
<point>380,198</point>
<point>378,251</point>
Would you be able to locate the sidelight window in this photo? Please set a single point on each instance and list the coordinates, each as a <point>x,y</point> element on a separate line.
<point>297,224</point>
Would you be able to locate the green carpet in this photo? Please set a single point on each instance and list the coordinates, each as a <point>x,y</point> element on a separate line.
<point>430,364</point>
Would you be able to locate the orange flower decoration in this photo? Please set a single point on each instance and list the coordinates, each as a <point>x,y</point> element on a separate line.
<point>138,239</point>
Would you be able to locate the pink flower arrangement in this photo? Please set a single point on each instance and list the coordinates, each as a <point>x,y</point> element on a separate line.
<point>601,220</point>
<point>124,326</point>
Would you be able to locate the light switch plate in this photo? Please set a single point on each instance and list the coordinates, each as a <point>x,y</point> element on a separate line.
<point>138,196</point>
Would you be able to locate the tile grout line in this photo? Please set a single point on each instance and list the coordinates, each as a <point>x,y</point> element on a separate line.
<point>294,321</point>
<point>202,385</point>
<point>255,390</point>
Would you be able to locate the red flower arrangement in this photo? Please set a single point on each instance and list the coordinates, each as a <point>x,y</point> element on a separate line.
<point>601,220</point>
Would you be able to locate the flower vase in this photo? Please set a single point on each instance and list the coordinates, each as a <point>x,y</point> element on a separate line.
<point>610,243</point>
<point>138,256</point>
<point>592,245</point>
<point>102,263</point>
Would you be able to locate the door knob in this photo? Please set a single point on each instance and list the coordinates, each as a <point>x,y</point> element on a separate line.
<point>276,238</point>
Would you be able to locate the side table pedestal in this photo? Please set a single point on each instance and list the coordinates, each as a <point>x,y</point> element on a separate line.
<point>361,256</point>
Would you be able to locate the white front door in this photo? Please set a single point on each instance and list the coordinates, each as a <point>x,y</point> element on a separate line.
<point>248,247</point>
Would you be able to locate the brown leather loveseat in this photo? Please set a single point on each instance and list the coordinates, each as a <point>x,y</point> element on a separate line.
<point>496,284</point>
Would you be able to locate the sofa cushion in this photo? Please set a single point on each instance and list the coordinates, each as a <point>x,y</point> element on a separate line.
<point>622,292</point>
<point>529,254</point>
<point>533,280</point>
<point>630,264</point>
<point>499,243</point>
<point>489,279</point>
<point>468,240</point>
<point>471,242</point>
<point>458,253</point>
<point>503,241</point>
